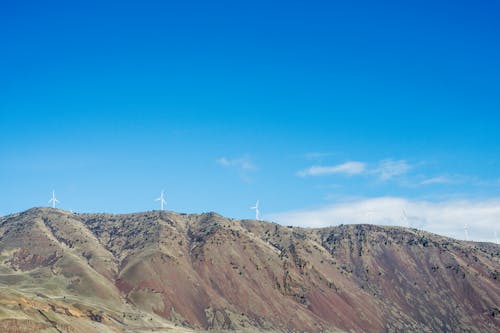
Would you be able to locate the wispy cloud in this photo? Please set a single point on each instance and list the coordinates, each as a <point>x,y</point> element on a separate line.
<point>389,168</point>
<point>348,168</point>
<point>317,155</point>
<point>442,217</point>
<point>242,165</point>
<point>437,180</point>
<point>487,183</point>
<point>385,170</point>
<point>458,179</point>
<point>397,170</point>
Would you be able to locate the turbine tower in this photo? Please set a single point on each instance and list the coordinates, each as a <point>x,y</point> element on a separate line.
<point>466,232</point>
<point>161,199</point>
<point>496,238</point>
<point>369,214</point>
<point>53,200</point>
<point>256,207</point>
<point>405,219</point>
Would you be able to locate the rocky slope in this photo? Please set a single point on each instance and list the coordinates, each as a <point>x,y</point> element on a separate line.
<point>168,272</point>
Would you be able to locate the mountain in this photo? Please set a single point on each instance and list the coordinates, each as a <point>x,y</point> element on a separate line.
<point>168,272</point>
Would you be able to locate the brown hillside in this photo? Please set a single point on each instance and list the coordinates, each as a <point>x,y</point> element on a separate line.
<point>168,272</point>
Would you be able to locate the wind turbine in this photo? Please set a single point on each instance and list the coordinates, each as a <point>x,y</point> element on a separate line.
<point>466,232</point>
<point>256,207</point>
<point>405,218</point>
<point>53,200</point>
<point>369,214</point>
<point>161,199</point>
<point>496,238</point>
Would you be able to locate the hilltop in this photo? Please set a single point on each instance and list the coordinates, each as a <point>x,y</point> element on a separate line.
<point>170,272</point>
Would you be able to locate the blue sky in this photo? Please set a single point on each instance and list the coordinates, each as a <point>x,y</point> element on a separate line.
<point>303,105</point>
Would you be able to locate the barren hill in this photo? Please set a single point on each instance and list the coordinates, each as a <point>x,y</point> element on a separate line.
<point>168,272</point>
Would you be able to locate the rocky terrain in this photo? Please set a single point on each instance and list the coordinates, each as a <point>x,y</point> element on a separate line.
<point>169,272</point>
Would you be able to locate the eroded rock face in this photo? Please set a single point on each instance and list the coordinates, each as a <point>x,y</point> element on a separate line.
<point>24,260</point>
<point>161,269</point>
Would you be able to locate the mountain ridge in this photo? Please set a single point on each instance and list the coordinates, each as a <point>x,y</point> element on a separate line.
<point>169,271</point>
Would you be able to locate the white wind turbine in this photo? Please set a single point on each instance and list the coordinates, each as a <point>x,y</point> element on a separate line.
<point>161,199</point>
<point>370,214</point>
<point>256,207</point>
<point>53,200</point>
<point>405,219</point>
<point>466,232</point>
<point>496,238</point>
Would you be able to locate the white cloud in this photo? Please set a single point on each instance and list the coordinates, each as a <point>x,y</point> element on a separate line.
<point>391,168</point>
<point>243,163</point>
<point>348,168</point>
<point>386,169</point>
<point>444,217</point>
<point>437,180</point>
<point>317,155</point>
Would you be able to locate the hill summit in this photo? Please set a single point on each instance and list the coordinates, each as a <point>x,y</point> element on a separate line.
<point>167,272</point>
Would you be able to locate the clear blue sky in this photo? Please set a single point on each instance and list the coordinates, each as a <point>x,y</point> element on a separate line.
<point>300,104</point>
